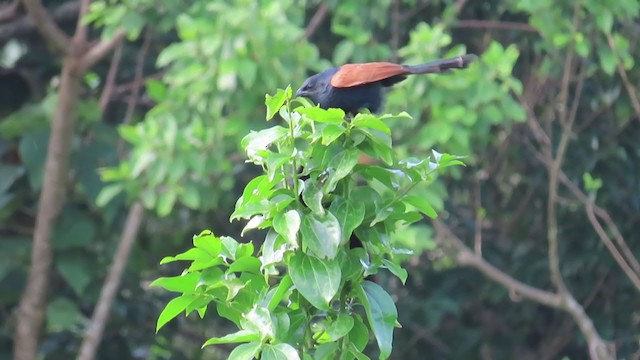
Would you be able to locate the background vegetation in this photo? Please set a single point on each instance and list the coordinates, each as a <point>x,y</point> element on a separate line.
<point>120,139</point>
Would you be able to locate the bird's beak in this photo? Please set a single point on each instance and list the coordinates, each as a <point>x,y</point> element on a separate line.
<point>300,93</point>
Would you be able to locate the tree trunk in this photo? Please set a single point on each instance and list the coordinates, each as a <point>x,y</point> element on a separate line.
<point>33,302</point>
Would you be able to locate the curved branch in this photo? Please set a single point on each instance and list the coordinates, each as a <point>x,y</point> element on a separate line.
<point>93,335</point>
<point>55,37</point>
<point>466,257</point>
<point>100,50</point>
<point>598,348</point>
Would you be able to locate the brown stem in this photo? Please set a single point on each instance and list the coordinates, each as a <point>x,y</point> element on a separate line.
<point>466,257</point>
<point>137,80</point>
<point>57,40</point>
<point>631,90</point>
<point>598,348</point>
<point>33,302</point>
<point>8,11</point>
<point>316,20</point>
<point>100,50</point>
<point>489,24</point>
<point>93,335</point>
<point>110,80</point>
<point>26,25</point>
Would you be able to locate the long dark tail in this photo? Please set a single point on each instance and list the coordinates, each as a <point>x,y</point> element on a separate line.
<point>458,62</point>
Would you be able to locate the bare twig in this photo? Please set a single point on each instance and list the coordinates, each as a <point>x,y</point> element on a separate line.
<point>101,49</point>
<point>556,164</point>
<point>93,335</point>
<point>395,30</point>
<point>54,36</point>
<point>477,205</point>
<point>26,25</point>
<point>466,257</point>
<point>625,258</point>
<point>137,80</point>
<point>598,348</point>
<point>488,24</point>
<point>9,11</point>
<point>316,20</point>
<point>110,80</point>
<point>631,90</point>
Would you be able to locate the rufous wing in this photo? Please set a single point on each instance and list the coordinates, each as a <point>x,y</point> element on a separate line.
<point>359,74</point>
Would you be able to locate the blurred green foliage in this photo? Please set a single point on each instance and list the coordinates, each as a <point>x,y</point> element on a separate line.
<point>209,65</point>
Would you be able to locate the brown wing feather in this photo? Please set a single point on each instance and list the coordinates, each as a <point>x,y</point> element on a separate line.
<point>358,74</point>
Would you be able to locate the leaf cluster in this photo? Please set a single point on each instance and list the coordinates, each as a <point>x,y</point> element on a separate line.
<point>306,293</point>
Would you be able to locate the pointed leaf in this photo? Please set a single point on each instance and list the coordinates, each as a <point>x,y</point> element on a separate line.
<point>317,280</point>
<point>321,234</point>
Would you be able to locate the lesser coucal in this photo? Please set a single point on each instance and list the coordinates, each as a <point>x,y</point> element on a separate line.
<point>354,87</point>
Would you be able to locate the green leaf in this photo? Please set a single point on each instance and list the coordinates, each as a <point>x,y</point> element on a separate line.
<point>246,264</point>
<point>275,102</point>
<point>342,164</point>
<point>396,270</point>
<point>8,175</point>
<point>156,89</point>
<point>421,204</point>
<point>208,243</point>
<point>317,280</point>
<point>330,116</point>
<point>350,215</point>
<point>340,327</point>
<point>279,352</point>
<point>608,61</point>
<point>258,141</point>
<point>331,132</point>
<point>370,121</point>
<point>281,290</point>
<point>245,351</point>
<point>312,196</point>
<point>173,308</point>
<point>62,314</point>
<point>183,283</point>
<point>259,321</point>
<point>166,202</point>
<point>356,353</point>
<point>237,337</point>
<point>288,225</point>
<point>321,234</point>
<point>359,334</point>
<point>326,351</point>
<point>381,313</point>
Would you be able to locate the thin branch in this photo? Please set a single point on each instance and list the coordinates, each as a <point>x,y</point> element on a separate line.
<point>466,257</point>
<point>111,78</point>
<point>55,37</point>
<point>612,248</point>
<point>135,91</point>
<point>598,348</point>
<point>316,20</point>
<point>566,122</point>
<point>626,260</point>
<point>394,42</point>
<point>477,205</point>
<point>490,24</point>
<point>100,50</point>
<point>80,36</point>
<point>93,335</point>
<point>26,25</point>
<point>631,90</point>
<point>9,11</point>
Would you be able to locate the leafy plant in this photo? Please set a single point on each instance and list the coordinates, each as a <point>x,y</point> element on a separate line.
<point>328,220</point>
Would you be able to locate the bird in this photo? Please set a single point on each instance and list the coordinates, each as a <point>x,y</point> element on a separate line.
<point>354,87</point>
